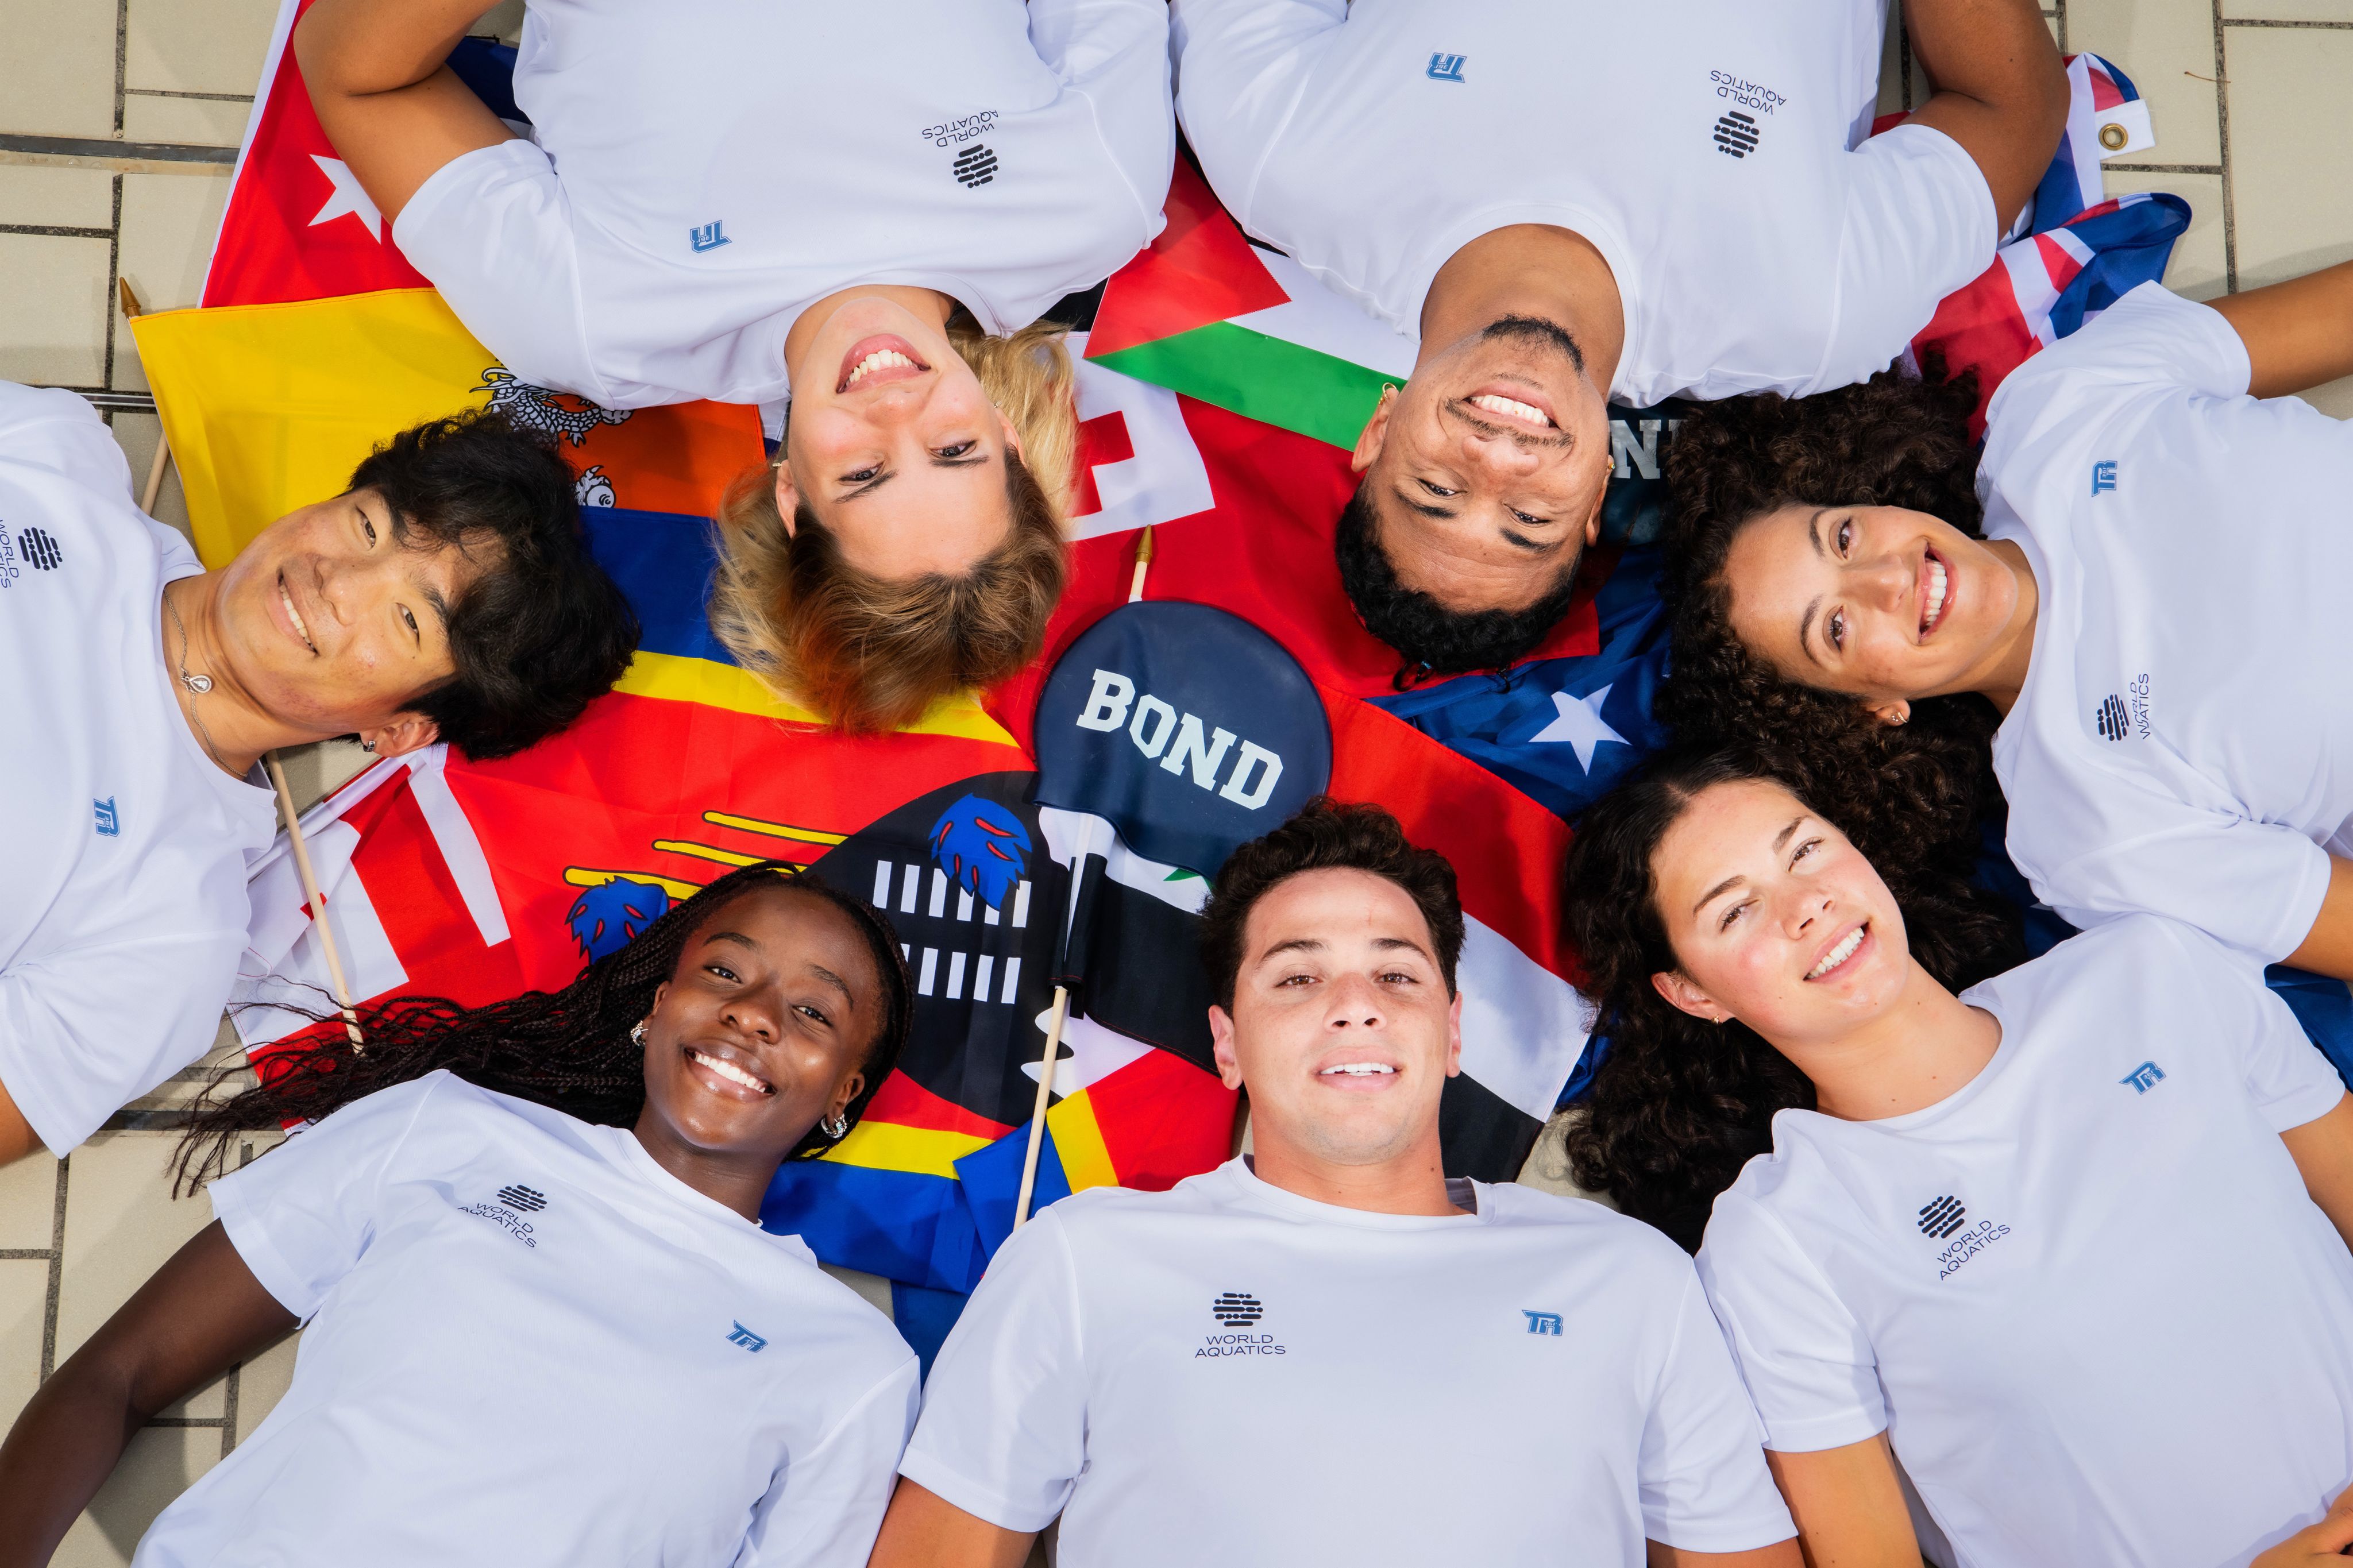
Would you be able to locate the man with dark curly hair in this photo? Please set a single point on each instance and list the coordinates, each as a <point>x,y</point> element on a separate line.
<point>1570,201</point>
<point>1222,1373</point>
<point>446,595</point>
<point>2148,604</point>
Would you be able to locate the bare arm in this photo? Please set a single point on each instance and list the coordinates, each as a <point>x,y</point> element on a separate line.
<point>923,1530</point>
<point>2323,1151</point>
<point>1781,1554</point>
<point>1849,1506</point>
<point>2327,948</point>
<point>2000,91</point>
<point>2324,1543</point>
<point>203,1312</point>
<point>394,112</point>
<point>18,1137</point>
<point>2298,333</point>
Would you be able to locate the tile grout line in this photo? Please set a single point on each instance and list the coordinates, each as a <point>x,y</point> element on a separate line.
<point>2062,7</point>
<point>2222,141</point>
<point>113,273</point>
<point>122,56</point>
<point>176,92</point>
<point>2168,168</point>
<point>57,1273</point>
<point>2277,21</point>
<point>56,231</point>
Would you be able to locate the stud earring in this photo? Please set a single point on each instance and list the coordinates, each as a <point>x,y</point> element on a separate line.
<point>368,746</point>
<point>637,1035</point>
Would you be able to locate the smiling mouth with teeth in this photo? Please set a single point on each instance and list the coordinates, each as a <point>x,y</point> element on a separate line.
<point>1932,608</point>
<point>880,358</point>
<point>1841,953</point>
<point>1356,1069</point>
<point>293,615</point>
<point>729,1070</point>
<point>1512,408</point>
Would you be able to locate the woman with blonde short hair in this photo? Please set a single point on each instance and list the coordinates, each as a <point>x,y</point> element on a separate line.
<point>865,209</point>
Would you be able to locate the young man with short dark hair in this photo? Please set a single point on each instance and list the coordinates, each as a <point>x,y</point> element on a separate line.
<point>446,595</point>
<point>1570,201</point>
<point>1327,1351</point>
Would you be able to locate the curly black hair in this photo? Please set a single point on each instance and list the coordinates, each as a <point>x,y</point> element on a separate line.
<point>1327,834</point>
<point>1678,1104</point>
<point>1438,640</point>
<point>569,1049</point>
<point>1898,439</point>
<point>541,631</point>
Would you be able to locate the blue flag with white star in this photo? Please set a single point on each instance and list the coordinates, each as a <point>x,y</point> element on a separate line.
<point>1562,729</point>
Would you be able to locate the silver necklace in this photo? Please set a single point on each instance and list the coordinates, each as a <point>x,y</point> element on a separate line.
<point>197,685</point>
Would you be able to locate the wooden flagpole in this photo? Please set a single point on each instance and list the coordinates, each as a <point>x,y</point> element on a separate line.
<point>1047,1063</point>
<point>130,308</point>
<point>318,903</point>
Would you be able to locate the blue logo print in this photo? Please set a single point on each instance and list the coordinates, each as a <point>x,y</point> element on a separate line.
<point>982,847</point>
<point>747,1338</point>
<point>2104,477</point>
<point>707,237</point>
<point>608,917</point>
<point>2144,1077</point>
<point>109,825</point>
<point>1542,1322</point>
<point>1445,67</point>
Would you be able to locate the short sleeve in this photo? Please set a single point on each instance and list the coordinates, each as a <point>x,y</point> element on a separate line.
<point>493,229</point>
<point>1241,66</point>
<point>302,1215</point>
<point>826,1506</point>
<point>1115,53</point>
<point>47,428</point>
<point>1703,1479</point>
<point>2151,337</point>
<point>2289,1081</point>
<point>2255,885</point>
<point>1919,225</point>
<point>1807,1363</point>
<point>1004,1430</point>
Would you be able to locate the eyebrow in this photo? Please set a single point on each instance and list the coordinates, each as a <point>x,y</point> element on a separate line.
<point>1532,546</point>
<point>836,981</point>
<point>1317,944</point>
<point>1737,879</point>
<point>1805,621</point>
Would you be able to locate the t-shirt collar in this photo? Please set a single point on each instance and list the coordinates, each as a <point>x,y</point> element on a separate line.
<point>621,1146</point>
<point>1244,1187</point>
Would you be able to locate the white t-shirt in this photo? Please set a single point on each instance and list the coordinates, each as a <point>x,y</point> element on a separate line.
<point>125,847</point>
<point>1227,1373</point>
<point>2085,1295</point>
<point>530,1344</point>
<point>1711,157</point>
<point>706,171</point>
<point>2184,743</point>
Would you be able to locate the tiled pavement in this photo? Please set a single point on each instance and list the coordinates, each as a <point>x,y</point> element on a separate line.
<point>2245,96</point>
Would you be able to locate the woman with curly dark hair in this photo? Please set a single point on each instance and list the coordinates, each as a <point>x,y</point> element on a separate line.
<point>2068,1246</point>
<point>2143,639</point>
<point>544,1323</point>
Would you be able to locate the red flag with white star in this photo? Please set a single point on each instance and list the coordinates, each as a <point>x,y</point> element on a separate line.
<point>298,225</point>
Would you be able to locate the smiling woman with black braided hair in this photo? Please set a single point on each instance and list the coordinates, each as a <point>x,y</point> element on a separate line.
<point>545,1326</point>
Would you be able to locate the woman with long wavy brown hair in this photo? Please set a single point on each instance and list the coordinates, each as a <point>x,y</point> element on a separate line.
<point>544,1323</point>
<point>2066,1242</point>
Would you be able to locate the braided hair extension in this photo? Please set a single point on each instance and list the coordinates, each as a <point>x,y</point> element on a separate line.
<point>1680,1104</point>
<point>568,1049</point>
<point>1895,440</point>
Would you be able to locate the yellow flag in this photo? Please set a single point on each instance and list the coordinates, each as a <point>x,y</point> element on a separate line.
<point>270,407</point>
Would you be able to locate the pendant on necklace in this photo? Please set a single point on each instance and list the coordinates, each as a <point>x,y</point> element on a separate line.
<point>199,684</point>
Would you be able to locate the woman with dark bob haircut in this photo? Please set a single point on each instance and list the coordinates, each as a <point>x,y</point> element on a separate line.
<point>2128,607</point>
<point>2067,1246</point>
<point>544,1323</point>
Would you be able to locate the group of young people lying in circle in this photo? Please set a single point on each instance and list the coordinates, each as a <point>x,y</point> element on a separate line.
<point>2029,1260</point>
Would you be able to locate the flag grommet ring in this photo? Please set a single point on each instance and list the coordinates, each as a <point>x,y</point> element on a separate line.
<point>2113,136</point>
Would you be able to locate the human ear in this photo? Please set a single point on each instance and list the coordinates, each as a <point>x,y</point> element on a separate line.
<point>1012,436</point>
<point>1376,431</point>
<point>788,495</point>
<point>1892,713</point>
<point>409,732</point>
<point>1221,1046</point>
<point>845,1091</point>
<point>1686,997</point>
<point>1454,1037</point>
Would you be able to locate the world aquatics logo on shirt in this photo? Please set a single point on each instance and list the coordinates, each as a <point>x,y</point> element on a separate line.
<point>1947,1219</point>
<point>1237,1311</point>
<point>515,1201</point>
<point>2116,721</point>
<point>973,166</point>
